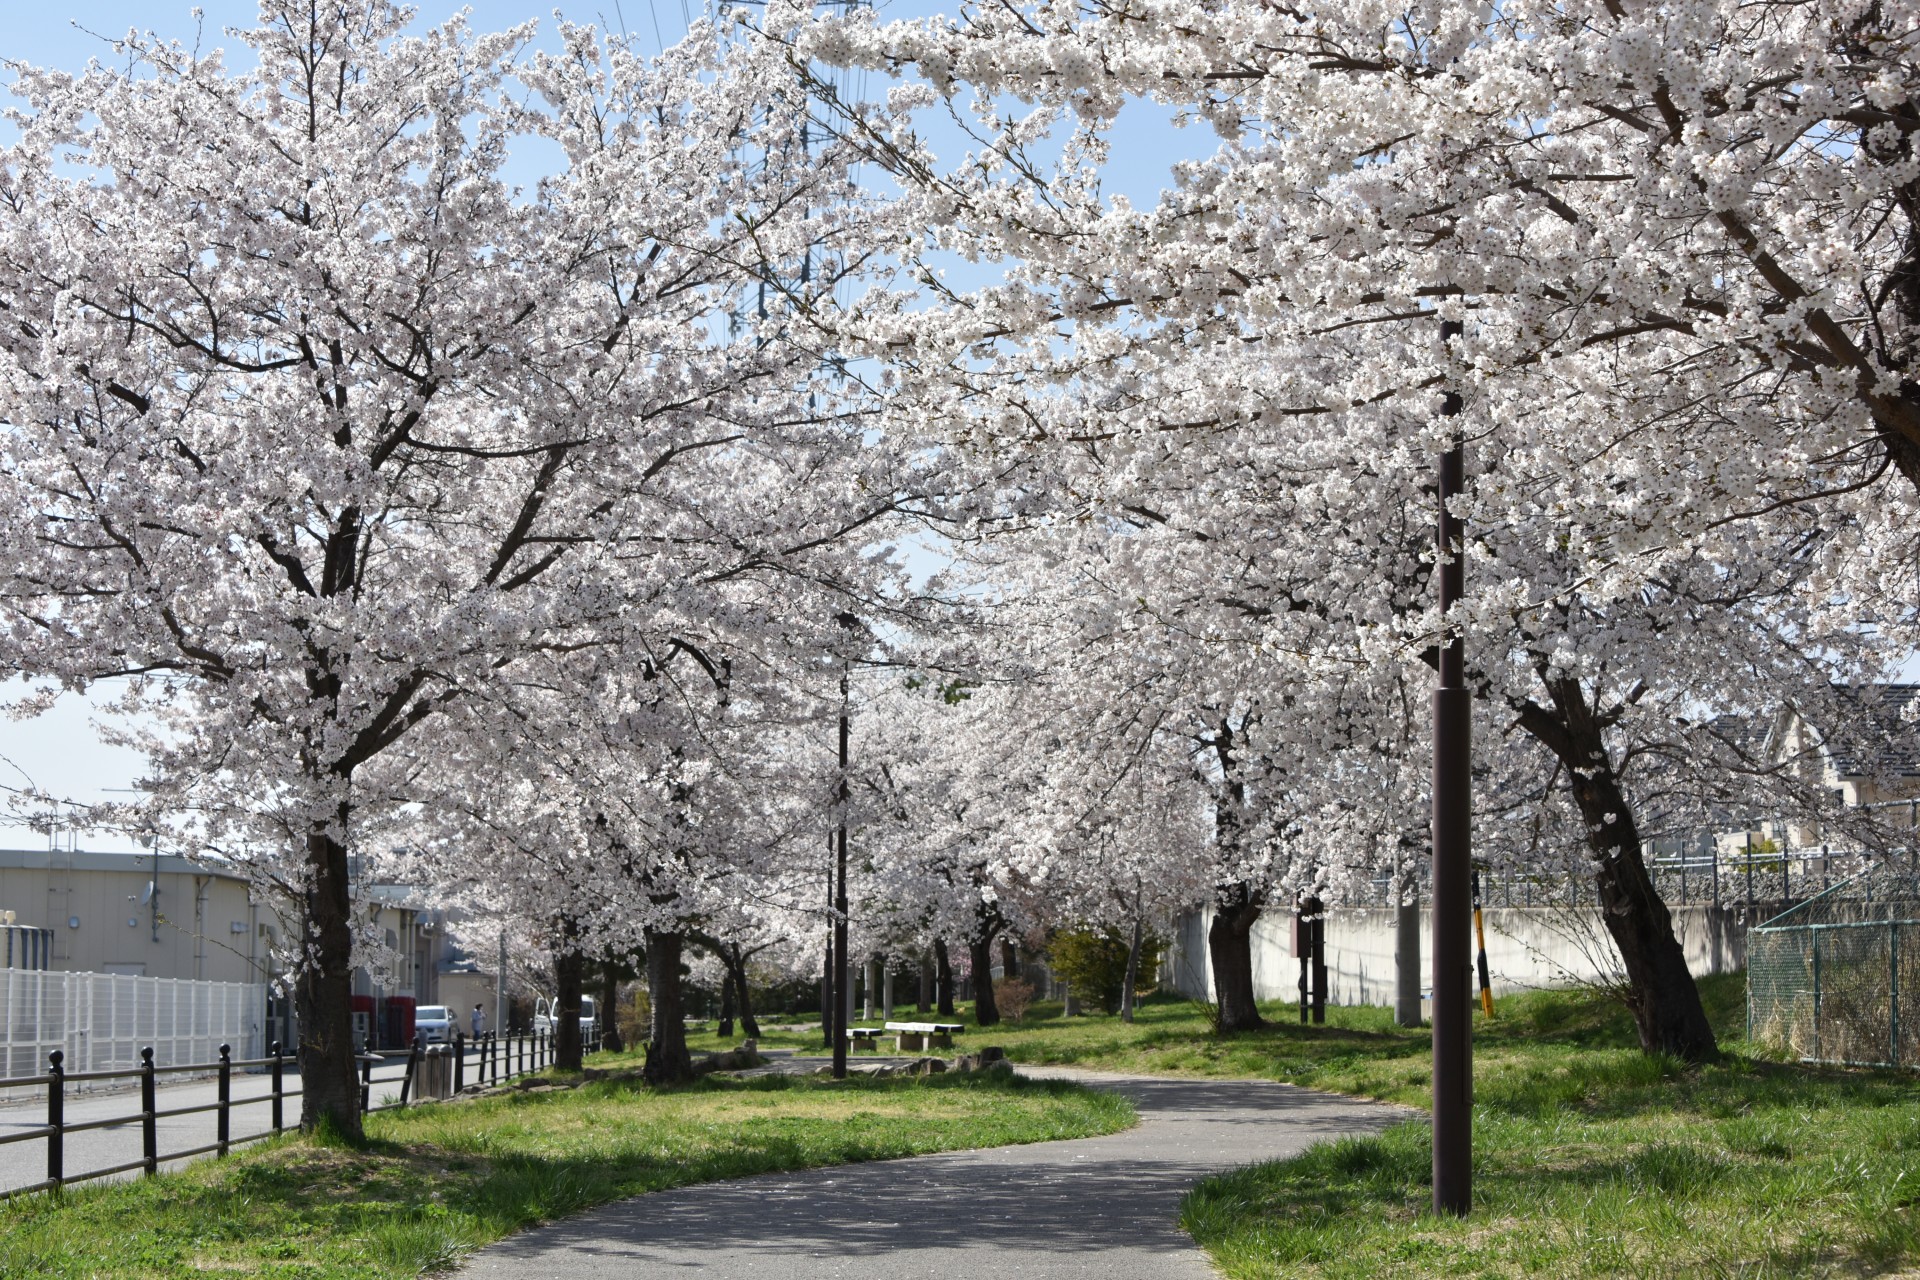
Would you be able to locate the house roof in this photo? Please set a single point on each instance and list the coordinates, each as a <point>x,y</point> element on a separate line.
<point>1882,738</point>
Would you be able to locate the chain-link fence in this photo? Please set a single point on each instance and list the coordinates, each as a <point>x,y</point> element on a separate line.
<point>1837,978</point>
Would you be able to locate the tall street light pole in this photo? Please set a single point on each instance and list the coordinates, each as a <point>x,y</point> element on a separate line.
<point>1452,854</point>
<point>842,796</point>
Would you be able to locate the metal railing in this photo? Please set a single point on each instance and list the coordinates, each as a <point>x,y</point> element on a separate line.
<point>497,1059</point>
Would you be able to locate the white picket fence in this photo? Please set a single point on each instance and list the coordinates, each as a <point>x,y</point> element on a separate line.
<point>103,1020</point>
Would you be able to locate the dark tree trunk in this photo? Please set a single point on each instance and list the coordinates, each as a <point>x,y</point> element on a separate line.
<point>608,1020</point>
<point>725,1028</point>
<point>1236,905</point>
<point>942,979</point>
<point>570,972</point>
<point>668,1061</point>
<point>749,1025</point>
<point>1230,948</point>
<point>1009,959</point>
<point>924,996</point>
<point>1132,979</point>
<point>323,995</point>
<point>826,997</point>
<point>980,952</point>
<point>1660,988</point>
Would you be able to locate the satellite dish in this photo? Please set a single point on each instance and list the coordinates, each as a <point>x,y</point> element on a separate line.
<point>146,895</point>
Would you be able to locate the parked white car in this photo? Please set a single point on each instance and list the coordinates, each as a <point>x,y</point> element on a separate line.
<point>544,1017</point>
<point>434,1023</point>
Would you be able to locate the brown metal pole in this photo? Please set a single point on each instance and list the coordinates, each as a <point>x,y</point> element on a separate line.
<point>840,989</point>
<point>1452,860</point>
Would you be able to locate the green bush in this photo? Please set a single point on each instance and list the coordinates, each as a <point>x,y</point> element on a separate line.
<point>1094,964</point>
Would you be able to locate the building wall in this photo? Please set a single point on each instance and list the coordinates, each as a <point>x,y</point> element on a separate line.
<point>1527,948</point>
<point>461,991</point>
<point>201,926</point>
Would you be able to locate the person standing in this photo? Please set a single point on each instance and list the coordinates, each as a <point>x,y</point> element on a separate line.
<point>479,1021</point>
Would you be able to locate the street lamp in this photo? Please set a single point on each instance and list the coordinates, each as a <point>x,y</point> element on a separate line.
<point>842,796</point>
<point>1452,852</point>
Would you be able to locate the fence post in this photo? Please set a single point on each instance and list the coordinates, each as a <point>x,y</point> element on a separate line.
<point>413,1061</point>
<point>279,1092</point>
<point>366,1082</point>
<point>149,1103</point>
<point>1893,1005</point>
<point>56,1117</point>
<point>459,1061</point>
<point>223,1130</point>
<point>1816,993</point>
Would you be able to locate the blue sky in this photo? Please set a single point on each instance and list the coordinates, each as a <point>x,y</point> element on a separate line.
<point>58,752</point>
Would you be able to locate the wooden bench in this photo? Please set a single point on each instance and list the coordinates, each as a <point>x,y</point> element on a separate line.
<point>924,1035</point>
<point>863,1037</point>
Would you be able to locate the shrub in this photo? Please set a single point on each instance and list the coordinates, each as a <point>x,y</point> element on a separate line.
<point>1094,964</point>
<point>1013,996</point>
<point>631,1017</point>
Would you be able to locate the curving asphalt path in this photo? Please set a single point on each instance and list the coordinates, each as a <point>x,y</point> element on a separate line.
<point>1091,1207</point>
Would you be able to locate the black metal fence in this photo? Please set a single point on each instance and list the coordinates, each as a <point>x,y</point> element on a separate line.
<point>495,1058</point>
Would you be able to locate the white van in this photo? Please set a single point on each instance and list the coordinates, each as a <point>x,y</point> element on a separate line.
<point>545,1018</point>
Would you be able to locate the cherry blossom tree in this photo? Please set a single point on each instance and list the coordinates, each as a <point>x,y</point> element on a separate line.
<point>1676,240</point>
<point>317,427</point>
<point>1695,221</point>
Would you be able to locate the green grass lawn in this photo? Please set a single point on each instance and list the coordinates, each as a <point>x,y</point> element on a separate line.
<point>1590,1159</point>
<point>435,1182</point>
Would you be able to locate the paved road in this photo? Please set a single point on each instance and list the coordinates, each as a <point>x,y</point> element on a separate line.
<point>25,1163</point>
<point>1092,1207</point>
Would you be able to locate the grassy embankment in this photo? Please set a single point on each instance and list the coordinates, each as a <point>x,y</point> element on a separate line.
<point>1591,1158</point>
<point>436,1182</point>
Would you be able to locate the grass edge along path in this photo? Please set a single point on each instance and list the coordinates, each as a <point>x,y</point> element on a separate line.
<point>436,1182</point>
<point>1593,1159</point>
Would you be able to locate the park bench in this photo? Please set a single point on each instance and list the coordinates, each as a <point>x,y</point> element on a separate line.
<point>863,1037</point>
<point>924,1035</point>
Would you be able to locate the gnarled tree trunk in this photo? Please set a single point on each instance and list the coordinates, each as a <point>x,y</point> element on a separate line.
<point>749,1025</point>
<point>323,994</point>
<point>1660,988</point>
<point>668,1061</point>
<point>609,1013</point>
<point>1230,948</point>
<point>942,979</point>
<point>980,953</point>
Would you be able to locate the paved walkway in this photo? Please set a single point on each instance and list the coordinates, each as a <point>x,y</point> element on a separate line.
<point>1092,1207</point>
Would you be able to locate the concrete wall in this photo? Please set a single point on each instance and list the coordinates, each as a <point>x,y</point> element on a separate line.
<point>1527,948</point>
